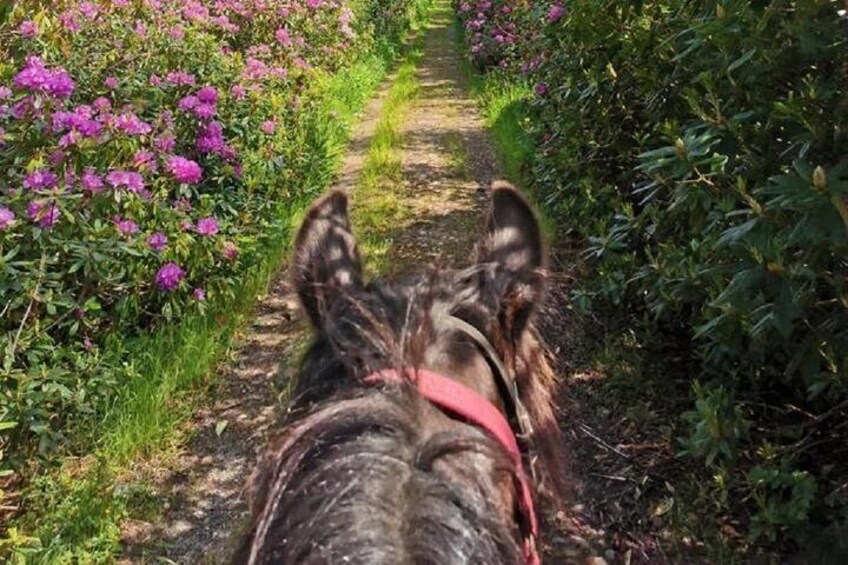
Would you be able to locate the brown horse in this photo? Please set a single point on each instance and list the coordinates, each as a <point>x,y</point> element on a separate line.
<point>402,447</point>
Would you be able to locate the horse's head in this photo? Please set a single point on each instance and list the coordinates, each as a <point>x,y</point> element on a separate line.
<point>414,320</point>
<point>473,326</point>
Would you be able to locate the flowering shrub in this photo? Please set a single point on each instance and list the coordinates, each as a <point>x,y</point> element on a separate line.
<point>699,149</point>
<point>145,149</point>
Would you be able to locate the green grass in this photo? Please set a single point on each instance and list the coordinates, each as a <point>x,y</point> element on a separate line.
<point>457,155</point>
<point>73,512</point>
<point>378,208</point>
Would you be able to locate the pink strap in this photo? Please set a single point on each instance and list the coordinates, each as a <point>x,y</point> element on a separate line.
<point>458,398</point>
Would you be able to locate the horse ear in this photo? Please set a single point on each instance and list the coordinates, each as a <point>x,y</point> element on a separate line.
<point>512,244</point>
<point>326,260</point>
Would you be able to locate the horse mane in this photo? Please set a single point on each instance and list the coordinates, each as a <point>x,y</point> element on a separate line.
<point>353,479</point>
<point>355,476</point>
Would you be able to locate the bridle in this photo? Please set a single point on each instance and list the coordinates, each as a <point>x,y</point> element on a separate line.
<point>453,396</point>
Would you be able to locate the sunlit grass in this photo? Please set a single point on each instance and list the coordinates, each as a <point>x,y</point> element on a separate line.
<point>376,198</point>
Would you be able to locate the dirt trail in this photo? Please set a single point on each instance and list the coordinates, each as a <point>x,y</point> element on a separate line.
<point>448,163</point>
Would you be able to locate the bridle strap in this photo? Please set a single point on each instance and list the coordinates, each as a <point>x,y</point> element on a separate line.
<point>455,397</point>
<point>508,383</point>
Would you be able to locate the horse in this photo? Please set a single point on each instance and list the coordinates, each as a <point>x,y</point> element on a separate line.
<point>424,425</point>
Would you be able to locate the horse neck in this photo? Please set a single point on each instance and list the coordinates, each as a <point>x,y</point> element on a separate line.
<point>371,481</point>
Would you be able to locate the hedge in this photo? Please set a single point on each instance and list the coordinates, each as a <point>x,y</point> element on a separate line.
<point>148,149</point>
<point>699,151</point>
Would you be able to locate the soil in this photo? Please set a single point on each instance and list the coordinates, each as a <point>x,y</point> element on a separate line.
<point>448,165</point>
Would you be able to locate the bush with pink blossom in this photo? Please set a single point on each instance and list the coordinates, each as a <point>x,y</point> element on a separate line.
<point>138,176</point>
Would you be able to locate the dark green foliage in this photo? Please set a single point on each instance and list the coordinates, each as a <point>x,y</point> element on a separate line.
<point>700,150</point>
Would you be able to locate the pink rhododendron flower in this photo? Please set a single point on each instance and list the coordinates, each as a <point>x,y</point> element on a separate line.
<point>169,276</point>
<point>131,124</point>
<point>157,241</point>
<point>283,38</point>
<point>28,29</point>
<point>7,218</point>
<point>268,126</point>
<point>111,83</point>
<point>70,138</point>
<point>230,251</point>
<point>80,120</point>
<point>45,213</point>
<point>145,161</point>
<point>133,182</point>
<point>38,78</point>
<point>199,294</point>
<point>124,226</point>
<point>102,105</point>
<point>165,143</point>
<point>185,170</point>
<point>91,181</point>
<point>188,102</point>
<point>180,78</point>
<point>88,9</point>
<point>207,226</point>
<point>556,13</point>
<point>21,108</point>
<point>205,111</point>
<point>254,70</point>
<point>208,95</point>
<point>40,178</point>
<point>210,138</point>
<point>69,21</point>
<point>239,92</point>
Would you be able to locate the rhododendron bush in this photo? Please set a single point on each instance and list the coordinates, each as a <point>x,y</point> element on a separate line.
<point>146,149</point>
<point>699,149</point>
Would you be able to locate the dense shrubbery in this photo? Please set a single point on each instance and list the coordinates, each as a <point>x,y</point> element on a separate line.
<point>146,149</point>
<point>700,150</point>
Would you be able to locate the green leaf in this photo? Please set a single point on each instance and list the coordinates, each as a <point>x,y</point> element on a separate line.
<point>742,60</point>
